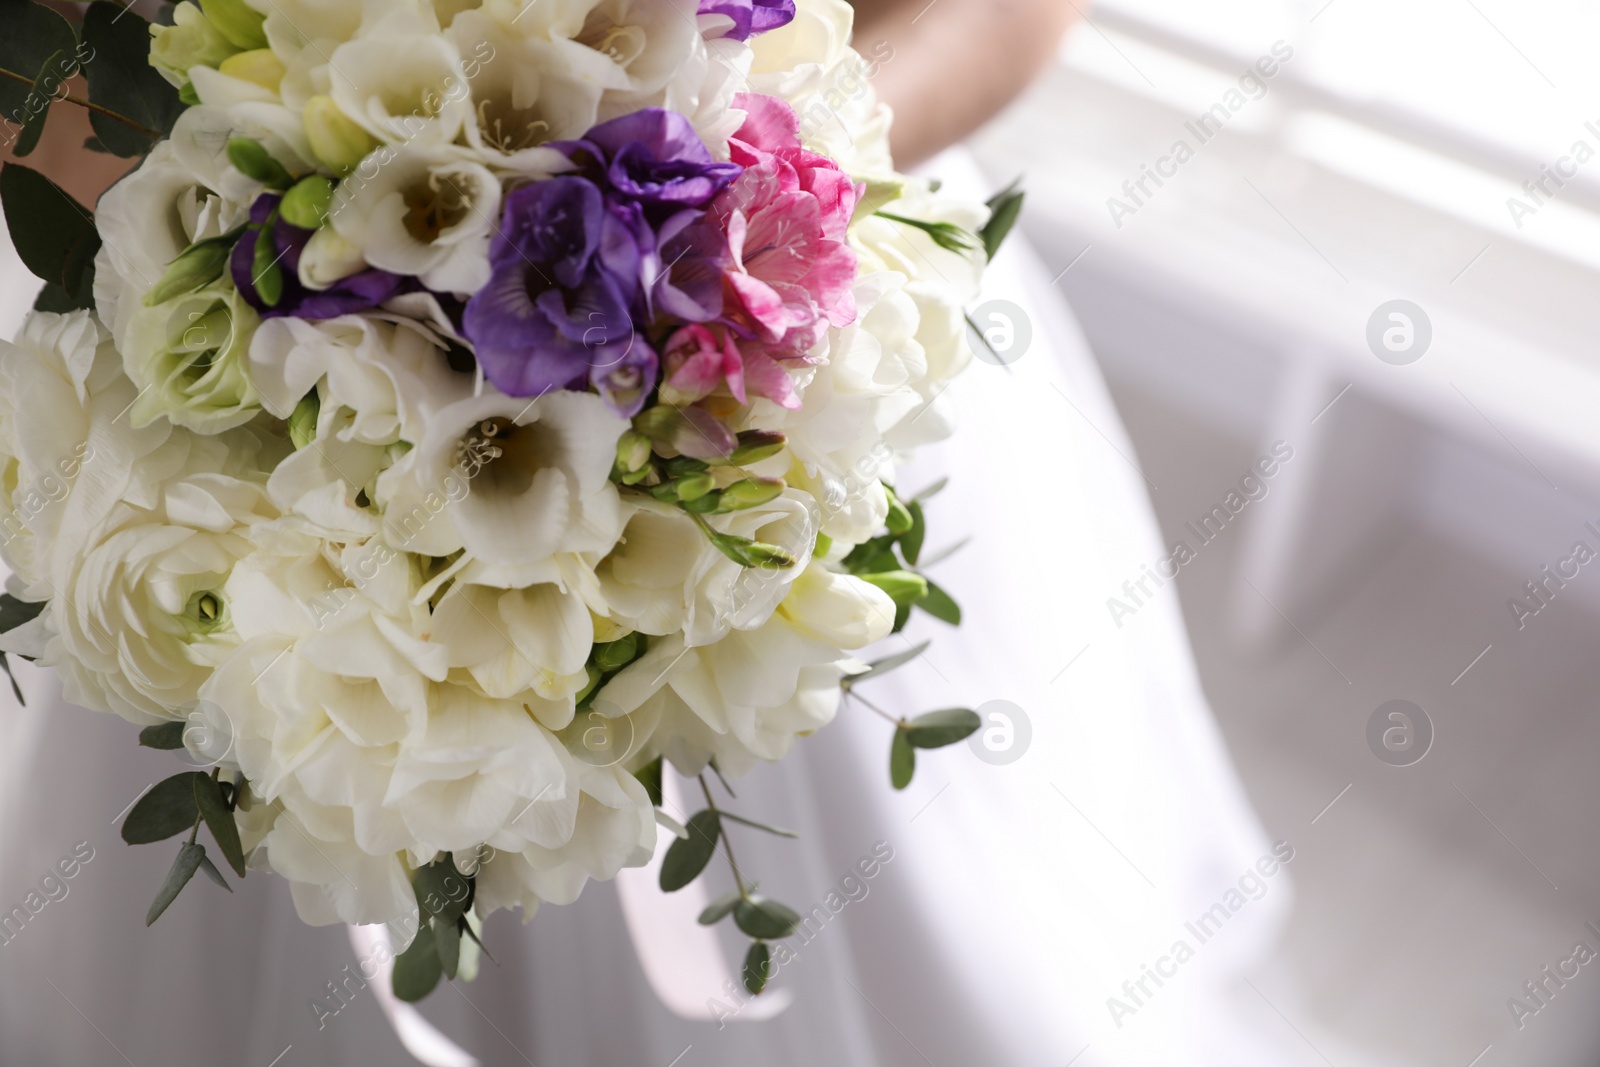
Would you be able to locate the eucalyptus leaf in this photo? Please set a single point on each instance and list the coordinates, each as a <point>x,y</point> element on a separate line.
<point>447,943</point>
<point>219,820</point>
<point>757,967</point>
<point>720,908</point>
<point>37,109</point>
<point>442,891</point>
<point>122,80</point>
<point>211,872</point>
<point>168,809</point>
<point>1005,207</point>
<point>939,604</point>
<point>880,667</point>
<point>14,612</point>
<point>911,541</point>
<point>902,760</point>
<point>650,777</point>
<point>687,857</point>
<point>33,35</point>
<point>417,970</point>
<point>931,491</point>
<point>163,735</point>
<point>53,233</point>
<point>766,919</point>
<point>937,729</point>
<point>764,827</point>
<point>190,856</point>
<point>946,552</point>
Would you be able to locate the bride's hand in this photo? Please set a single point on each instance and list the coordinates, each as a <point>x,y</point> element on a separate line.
<point>956,62</point>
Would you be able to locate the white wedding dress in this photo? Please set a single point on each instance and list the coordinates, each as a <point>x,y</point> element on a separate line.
<point>1019,898</point>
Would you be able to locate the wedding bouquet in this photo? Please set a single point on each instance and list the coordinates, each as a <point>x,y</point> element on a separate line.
<point>464,408</point>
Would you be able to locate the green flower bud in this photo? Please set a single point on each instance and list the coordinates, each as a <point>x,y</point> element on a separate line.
<point>237,21</point>
<point>252,160</point>
<point>595,678</point>
<point>337,142</point>
<point>899,520</point>
<point>695,486</point>
<point>666,492</point>
<point>824,545</point>
<point>615,655</point>
<point>195,268</point>
<point>303,420</point>
<point>881,192</point>
<point>752,493</point>
<point>258,67</point>
<point>757,445</point>
<point>265,271</point>
<point>306,205</point>
<point>191,41</point>
<point>767,557</point>
<point>633,452</point>
<point>903,587</point>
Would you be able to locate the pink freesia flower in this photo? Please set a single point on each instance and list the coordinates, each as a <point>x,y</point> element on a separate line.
<point>700,359</point>
<point>787,217</point>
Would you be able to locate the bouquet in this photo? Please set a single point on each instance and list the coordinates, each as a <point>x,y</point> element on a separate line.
<point>465,410</point>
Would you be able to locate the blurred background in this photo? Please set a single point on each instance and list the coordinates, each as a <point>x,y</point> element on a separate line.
<point>1439,153</point>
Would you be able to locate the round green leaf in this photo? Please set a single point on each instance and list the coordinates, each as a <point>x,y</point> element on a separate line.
<point>720,908</point>
<point>902,760</point>
<point>166,810</point>
<point>937,729</point>
<point>757,967</point>
<point>688,856</point>
<point>417,970</point>
<point>766,919</point>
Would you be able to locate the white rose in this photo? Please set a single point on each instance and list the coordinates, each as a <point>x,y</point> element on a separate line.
<point>190,358</point>
<point>511,481</point>
<point>427,211</point>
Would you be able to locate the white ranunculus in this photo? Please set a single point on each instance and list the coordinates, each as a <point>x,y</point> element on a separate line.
<point>665,577</point>
<point>141,615</point>
<point>63,408</point>
<point>427,210</point>
<point>615,828</point>
<point>390,377</point>
<point>511,481</point>
<point>190,358</point>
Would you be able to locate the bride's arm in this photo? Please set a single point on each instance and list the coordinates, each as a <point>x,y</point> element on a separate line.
<point>956,62</point>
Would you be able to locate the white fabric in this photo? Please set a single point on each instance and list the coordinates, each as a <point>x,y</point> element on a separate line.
<point>1018,899</point>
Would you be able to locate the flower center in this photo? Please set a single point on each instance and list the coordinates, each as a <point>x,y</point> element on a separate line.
<point>499,456</point>
<point>206,611</point>
<point>435,207</point>
<point>621,44</point>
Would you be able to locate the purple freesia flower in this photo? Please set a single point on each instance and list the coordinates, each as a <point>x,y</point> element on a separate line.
<point>652,157</point>
<point>750,17</point>
<point>359,292</point>
<point>557,312</point>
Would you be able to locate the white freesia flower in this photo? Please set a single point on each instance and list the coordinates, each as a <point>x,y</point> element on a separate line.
<point>665,577</point>
<point>510,481</point>
<point>529,643</point>
<point>401,80</point>
<point>428,211</point>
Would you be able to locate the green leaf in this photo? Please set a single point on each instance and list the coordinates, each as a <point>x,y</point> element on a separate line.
<point>911,543</point>
<point>879,667</point>
<point>38,107</point>
<point>164,735</point>
<point>219,820</point>
<point>946,552</point>
<point>757,967</point>
<point>931,491</point>
<point>650,777</point>
<point>166,810</point>
<point>5,664</point>
<point>53,233</point>
<point>720,908</point>
<point>33,35</point>
<point>189,859</point>
<point>937,729</point>
<point>766,919</point>
<point>1005,207</point>
<point>688,856</point>
<point>902,760</point>
<point>938,604</point>
<point>754,825</point>
<point>211,872</point>
<point>442,891</point>
<point>447,943</point>
<point>14,612</point>
<point>418,969</point>
<point>122,80</point>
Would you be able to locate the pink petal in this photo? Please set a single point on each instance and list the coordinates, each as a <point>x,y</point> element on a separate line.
<point>770,123</point>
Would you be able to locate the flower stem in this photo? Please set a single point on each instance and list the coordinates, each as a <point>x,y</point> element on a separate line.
<point>727,845</point>
<point>86,105</point>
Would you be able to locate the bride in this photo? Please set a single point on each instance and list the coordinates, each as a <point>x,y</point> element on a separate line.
<point>1083,884</point>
